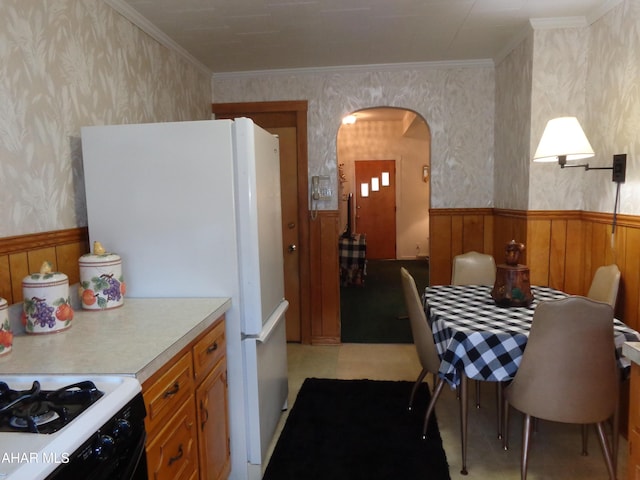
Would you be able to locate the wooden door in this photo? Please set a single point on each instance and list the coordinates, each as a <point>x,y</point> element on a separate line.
<point>376,212</point>
<point>288,121</point>
<point>290,228</point>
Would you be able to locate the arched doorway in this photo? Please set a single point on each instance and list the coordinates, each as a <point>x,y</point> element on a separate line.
<point>386,150</point>
<point>401,136</point>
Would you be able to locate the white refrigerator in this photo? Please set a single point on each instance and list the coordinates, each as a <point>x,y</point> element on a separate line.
<point>193,209</point>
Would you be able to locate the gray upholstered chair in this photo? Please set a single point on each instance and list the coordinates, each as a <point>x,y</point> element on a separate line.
<point>568,372</point>
<point>474,268</point>
<point>605,284</point>
<point>424,343</point>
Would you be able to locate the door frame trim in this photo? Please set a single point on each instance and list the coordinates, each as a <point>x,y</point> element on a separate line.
<point>287,114</point>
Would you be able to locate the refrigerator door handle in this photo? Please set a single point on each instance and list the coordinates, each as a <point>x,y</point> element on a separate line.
<point>270,324</point>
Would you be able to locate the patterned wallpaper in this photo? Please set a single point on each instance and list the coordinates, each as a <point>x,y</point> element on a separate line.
<point>513,111</point>
<point>457,103</point>
<point>66,64</point>
<point>590,72</point>
<point>559,80</point>
<point>613,106</point>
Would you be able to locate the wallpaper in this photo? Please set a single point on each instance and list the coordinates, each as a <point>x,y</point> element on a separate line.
<point>457,102</point>
<point>67,64</point>
<point>613,107</point>
<point>513,113</point>
<point>559,80</point>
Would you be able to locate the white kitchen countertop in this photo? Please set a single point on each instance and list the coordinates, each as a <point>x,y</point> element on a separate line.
<point>135,339</point>
<point>631,350</point>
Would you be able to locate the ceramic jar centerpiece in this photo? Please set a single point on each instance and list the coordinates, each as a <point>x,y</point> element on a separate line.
<point>101,282</point>
<point>6,335</point>
<point>46,301</point>
<point>512,287</point>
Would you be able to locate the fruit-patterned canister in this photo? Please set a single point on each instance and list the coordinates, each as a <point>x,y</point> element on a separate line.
<point>101,283</point>
<point>6,335</point>
<point>46,301</point>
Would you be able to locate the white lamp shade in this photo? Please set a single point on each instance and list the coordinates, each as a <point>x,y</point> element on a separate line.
<point>563,136</point>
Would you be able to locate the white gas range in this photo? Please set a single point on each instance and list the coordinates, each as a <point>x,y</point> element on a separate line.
<point>98,423</point>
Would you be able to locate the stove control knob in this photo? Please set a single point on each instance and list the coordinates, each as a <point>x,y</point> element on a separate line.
<point>104,447</point>
<point>122,428</point>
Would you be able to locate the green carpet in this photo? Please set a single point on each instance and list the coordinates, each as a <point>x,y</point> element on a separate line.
<point>376,312</point>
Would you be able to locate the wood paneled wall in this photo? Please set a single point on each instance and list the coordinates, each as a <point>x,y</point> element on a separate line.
<point>24,254</point>
<point>455,231</point>
<point>563,248</point>
<point>325,283</point>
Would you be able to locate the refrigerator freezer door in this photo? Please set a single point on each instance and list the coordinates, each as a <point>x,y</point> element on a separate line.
<point>161,196</point>
<point>266,385</point>
<point>259,228</point>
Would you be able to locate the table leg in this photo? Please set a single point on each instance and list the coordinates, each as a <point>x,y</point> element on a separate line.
<point>464,410</point>
<point>500,408</point>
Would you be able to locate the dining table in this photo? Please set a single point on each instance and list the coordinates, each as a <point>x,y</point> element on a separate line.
<point>477,339</point>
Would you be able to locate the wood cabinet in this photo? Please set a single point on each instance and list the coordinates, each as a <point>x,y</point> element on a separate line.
<point>187,412</point>
<point>633,464</point>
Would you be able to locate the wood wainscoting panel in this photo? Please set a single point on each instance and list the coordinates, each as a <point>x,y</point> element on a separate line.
<point>24,254</point>
<point>630,285</point>
<point>325,278</point>
<point>456,231</point>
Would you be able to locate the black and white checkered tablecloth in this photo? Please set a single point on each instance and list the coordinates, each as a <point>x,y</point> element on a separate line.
<point>485,341</point>
<point>352,252</point>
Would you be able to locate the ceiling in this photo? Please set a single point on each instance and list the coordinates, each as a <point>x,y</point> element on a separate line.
<point>251,35</point>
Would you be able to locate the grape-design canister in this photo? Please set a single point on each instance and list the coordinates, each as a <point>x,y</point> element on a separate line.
<point>101,282</point>
<point>46,302</point>
<point>6,335</point>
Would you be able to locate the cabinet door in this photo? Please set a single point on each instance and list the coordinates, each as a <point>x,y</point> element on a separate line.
<point>172,453</point>
<point>213,424</point>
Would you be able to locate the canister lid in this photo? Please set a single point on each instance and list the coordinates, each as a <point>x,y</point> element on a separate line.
<point>45,277</point>
<point>99,255</point>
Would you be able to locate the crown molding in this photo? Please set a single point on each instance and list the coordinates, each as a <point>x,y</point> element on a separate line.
<point>154,32</point>
<point>484,62</point>
<point>603,9</point>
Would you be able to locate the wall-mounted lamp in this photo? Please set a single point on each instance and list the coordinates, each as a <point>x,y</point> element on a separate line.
<point>564,140</point>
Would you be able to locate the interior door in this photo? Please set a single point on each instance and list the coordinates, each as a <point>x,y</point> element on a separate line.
<point>376,209</point>
<point>278,120</point>
<point>290,230</point>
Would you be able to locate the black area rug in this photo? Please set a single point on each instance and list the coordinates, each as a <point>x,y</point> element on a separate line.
<point>358,430</point>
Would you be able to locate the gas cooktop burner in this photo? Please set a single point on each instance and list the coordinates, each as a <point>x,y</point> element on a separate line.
<point>44,411</point>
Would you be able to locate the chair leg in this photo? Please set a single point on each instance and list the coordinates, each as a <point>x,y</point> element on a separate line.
<point>499,408</point>
<point>585,440</point>
<point>477,394</point>
<point>423,374</point>
<point>436,394</point>
<point>526,436</point>
<point>606,451</point>
<point>615,437</point>
<point>505,427</point>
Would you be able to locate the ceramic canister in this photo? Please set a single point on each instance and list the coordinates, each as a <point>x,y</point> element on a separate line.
<point>6,335</point>
<point>46,302</point>
<point>101,283</point>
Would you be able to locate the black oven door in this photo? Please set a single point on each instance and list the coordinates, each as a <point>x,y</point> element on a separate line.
<point>115,452</point>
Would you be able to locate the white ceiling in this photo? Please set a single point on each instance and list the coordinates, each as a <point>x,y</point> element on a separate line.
<point>249,35</point>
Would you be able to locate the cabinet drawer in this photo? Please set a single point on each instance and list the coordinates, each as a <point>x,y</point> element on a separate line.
<point>173,453</point>
<point>209,350</point>
<point>168,393</point>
